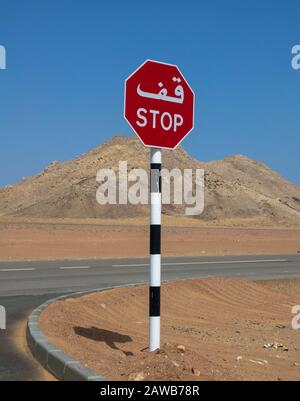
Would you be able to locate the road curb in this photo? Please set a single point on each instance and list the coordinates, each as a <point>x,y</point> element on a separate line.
<point>49,356</point>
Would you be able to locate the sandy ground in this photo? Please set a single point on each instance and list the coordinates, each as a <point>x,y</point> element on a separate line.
<point>212,329</point>
<point>67,240</point>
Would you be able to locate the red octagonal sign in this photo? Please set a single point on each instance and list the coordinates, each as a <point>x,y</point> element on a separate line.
<point>159,104</point>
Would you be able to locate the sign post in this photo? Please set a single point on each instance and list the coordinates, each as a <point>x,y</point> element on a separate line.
<point>155,245</point>
<point>159,106</point>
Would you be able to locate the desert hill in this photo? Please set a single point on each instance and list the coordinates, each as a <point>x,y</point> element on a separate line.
<point>235,188</point>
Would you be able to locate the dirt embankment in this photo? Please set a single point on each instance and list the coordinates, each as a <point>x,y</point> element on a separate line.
<point>212,329</point>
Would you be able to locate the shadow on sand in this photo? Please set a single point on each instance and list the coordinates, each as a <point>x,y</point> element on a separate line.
<point>106,336</point>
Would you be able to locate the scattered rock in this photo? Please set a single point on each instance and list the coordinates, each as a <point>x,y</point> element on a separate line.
<point>196,372</point>
<point>175,364</point>
<point>103,306</point>
<point>259,361</point>
<point>239,358</point>
<point>181,348</point>
<point>136,377</point>
<point>275,346</point>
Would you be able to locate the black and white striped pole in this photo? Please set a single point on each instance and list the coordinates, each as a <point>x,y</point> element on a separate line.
<point>155,245</point>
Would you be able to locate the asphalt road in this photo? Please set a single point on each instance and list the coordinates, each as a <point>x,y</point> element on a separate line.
<point>25,285</point>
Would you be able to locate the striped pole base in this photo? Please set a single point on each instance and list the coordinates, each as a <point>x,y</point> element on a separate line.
<point>155,241</point>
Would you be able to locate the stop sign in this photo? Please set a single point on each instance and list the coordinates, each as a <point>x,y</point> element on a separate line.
<point>159,104</point>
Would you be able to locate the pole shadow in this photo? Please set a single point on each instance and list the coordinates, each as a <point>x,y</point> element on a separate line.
<point>110,338</point>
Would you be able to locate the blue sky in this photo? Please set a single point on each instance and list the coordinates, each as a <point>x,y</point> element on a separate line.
<point>62,92</point>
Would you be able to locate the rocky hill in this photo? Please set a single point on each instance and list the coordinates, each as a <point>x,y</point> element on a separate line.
<point>235,188</point>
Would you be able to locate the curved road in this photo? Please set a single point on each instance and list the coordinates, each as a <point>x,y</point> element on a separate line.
<point>25,285</point>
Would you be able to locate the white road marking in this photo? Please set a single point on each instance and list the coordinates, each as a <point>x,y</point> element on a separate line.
<point>137,265</point>
<point>17,270</point>
<point>227,262</point>
<point>164,264</point>
<point>74,267</point>
<point>208,262</point>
